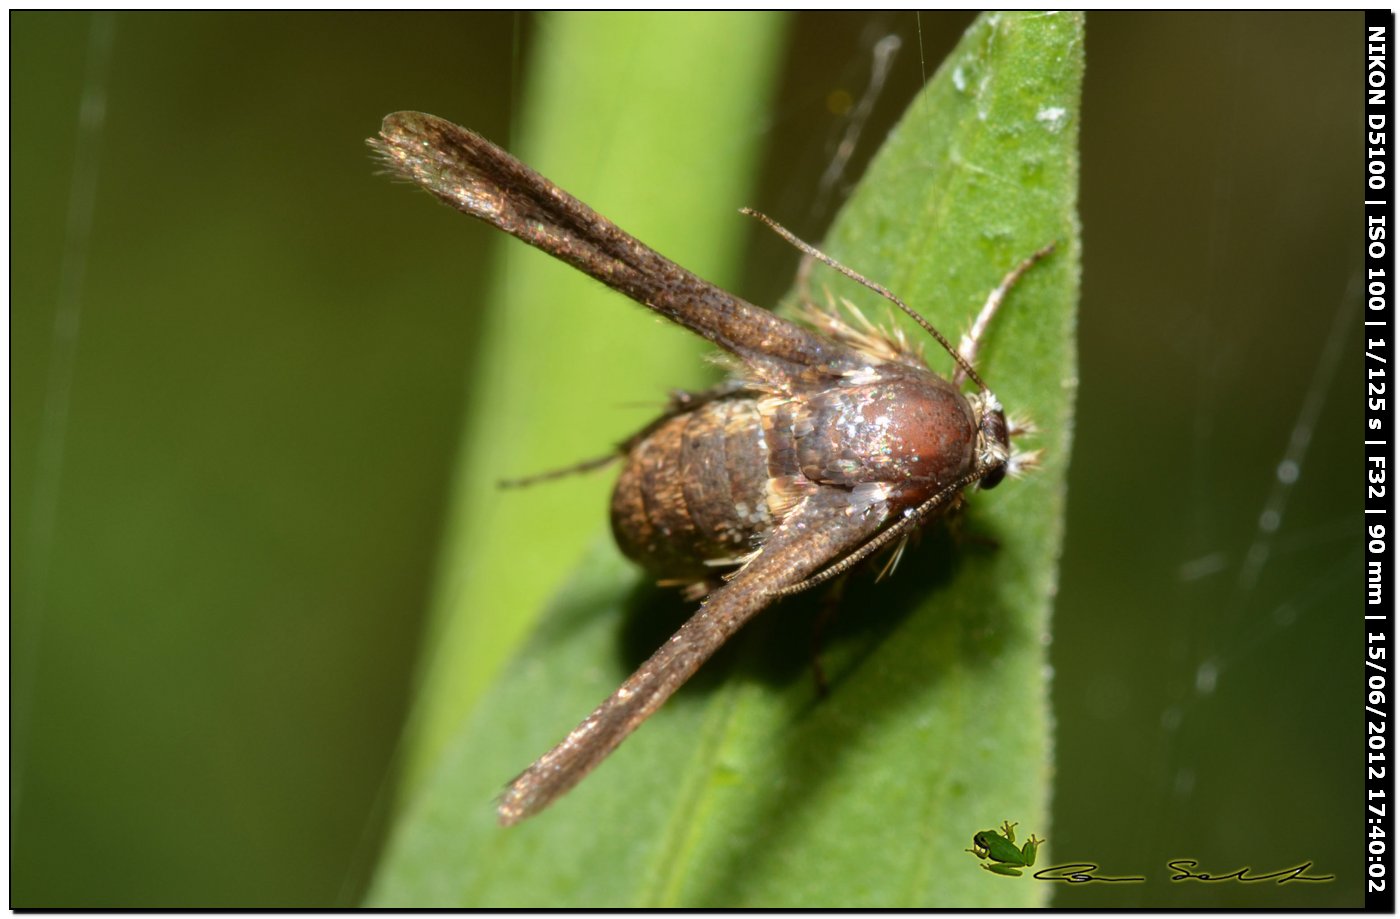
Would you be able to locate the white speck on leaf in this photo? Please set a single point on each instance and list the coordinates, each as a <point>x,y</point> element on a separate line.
<point>1053,117</point>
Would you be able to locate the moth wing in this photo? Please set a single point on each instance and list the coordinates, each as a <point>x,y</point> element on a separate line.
<point>824,527</point>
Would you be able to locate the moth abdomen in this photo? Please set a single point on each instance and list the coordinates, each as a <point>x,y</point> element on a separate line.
<point>692,497</point>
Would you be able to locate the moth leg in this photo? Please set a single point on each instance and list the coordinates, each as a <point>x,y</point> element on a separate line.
<point>972,340</point>
<point>683,400</point>
<point>680,403</point>
<point>587,465</point>
<point>822,527</point>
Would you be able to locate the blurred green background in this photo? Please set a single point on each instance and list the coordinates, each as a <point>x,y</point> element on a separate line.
<point>230,474</point>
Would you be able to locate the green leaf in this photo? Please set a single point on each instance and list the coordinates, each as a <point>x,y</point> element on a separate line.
<point>748,789</point>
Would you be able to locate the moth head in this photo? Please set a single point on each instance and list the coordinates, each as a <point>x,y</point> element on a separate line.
<point>993,438</point>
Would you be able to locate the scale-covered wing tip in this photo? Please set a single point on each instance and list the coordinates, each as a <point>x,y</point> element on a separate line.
<point>457,166</point>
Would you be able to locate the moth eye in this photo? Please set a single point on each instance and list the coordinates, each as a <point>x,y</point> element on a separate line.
<point>994,431</point>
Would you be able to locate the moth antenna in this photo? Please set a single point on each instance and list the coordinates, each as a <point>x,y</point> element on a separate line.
<point>970,342</point>
<point>963,366</point>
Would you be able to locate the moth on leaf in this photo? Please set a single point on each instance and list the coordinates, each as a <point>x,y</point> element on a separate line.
<point>827,444</point>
